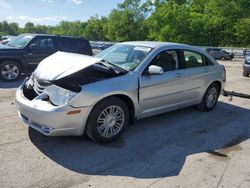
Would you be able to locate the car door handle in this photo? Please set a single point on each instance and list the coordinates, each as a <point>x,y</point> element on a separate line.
<point>206,70</point>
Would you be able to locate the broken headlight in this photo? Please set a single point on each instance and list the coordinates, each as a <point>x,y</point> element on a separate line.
<point>30,82</point>
<point>58,95</point>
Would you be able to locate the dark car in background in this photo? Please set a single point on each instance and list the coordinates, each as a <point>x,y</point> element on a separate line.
<point>219,53</point>
<point>26,51</point>
<point>6,39</point>
<point>246,65</point>
<point>100,45</point>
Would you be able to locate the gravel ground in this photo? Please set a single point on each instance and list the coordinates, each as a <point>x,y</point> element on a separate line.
<point>184,148</point>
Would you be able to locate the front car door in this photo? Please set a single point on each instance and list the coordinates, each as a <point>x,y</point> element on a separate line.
<point>160,93</point>
<point>38,49</point>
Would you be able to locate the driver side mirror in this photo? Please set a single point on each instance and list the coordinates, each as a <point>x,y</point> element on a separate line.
<point>155,70</point>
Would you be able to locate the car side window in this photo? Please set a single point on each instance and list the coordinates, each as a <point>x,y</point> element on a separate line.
<point>71,45</point>
<point>80,45</point>
<point>44,43</point>
<point>193,59</point>
<point>68,44</point>
<point>168,60</point>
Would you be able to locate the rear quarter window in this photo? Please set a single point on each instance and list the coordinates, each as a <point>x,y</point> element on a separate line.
<point>193,59</point>
<point>74,45</point>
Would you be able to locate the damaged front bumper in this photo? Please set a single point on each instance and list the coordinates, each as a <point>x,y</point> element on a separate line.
<point>51,120</point>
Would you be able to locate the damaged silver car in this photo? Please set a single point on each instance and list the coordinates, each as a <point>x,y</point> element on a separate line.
<point>72,94</point>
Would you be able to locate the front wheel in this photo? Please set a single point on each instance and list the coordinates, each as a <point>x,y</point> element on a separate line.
<point>10,71</point>
<point>108,120</point>
<point>210,98</point>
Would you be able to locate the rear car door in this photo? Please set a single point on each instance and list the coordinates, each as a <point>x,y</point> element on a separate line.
<point>159,93</point>
<point>197,74</point>
<point>38,49</point>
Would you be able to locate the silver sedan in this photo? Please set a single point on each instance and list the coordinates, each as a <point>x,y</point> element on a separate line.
<point>69,94</point>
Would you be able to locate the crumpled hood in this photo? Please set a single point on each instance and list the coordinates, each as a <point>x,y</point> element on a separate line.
<point>62,64</point>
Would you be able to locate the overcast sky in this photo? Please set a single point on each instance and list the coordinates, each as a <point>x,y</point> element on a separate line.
<point>51,12</point>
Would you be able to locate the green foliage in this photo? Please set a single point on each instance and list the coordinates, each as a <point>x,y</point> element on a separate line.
<point>127,22</point>
<point>8,29</point>
<point>242,32</point>
<point>196,22</point>
<point>201,22</point>
<point>95,29</point>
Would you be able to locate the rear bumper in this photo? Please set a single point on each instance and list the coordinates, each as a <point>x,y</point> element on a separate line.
<point>48,119</point>
<point>223,84</point>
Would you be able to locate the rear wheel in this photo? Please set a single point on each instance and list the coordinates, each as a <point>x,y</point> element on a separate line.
<point>210,98</point>
<point>108,120</point>
<point>245,74</point>
<point>10,71</point>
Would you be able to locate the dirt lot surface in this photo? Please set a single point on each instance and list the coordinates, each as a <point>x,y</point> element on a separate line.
<point>184,148</point>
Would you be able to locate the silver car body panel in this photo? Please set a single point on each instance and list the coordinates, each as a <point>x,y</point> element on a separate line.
<point>150,95</point>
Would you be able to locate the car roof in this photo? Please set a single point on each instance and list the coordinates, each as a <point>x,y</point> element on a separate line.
<point>153,44</point>
<point>48,35</point>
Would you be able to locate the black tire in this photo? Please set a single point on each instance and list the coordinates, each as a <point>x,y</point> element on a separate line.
<point>97,112</point>
<point>203,106</point>
<point>223,58</point>
<point>10,71</point>
<point>245,74</point>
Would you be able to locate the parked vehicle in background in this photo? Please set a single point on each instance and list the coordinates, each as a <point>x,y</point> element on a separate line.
<point>246,65</point>
<point>245,52</point>
<point>100,45</point>
<point>105,46</point>
<point>26,51</point>
<point>8,39</point>
<point>219,53</point>
<point>69,94</point>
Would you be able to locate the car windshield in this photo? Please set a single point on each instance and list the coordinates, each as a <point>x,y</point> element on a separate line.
<point>125,56</point>
<point>20,41</point>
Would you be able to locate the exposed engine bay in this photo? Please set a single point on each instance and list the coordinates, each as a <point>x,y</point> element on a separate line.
<point>96,72</point>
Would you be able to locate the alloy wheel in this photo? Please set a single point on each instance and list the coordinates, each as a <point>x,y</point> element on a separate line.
<point>211,97</point>
<point>10,71</point>
<point>110,121</point>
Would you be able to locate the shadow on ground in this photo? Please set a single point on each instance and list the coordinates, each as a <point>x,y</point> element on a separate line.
<point>153,147</point>
<point>11,85</point>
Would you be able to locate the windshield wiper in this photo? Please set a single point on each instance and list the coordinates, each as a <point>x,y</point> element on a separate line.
<point>114,65</point>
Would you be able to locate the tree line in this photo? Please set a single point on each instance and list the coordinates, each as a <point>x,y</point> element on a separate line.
<point>195,22</point>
